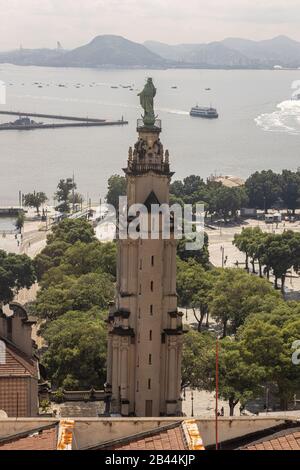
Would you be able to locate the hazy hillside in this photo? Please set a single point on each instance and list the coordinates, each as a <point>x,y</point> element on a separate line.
<point>233,52</point>
<point>103,51</point>
<point>280,50</point>
<point>111,51</point>
<point>42,57</point>
<point>214,54</point>
<point>118,52</point>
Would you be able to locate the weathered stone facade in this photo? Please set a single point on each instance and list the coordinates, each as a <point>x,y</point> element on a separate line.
<point>145,328</point>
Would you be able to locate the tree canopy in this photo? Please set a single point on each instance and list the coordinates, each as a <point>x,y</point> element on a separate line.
<point>35,199</point>
<point>116,188</point>
<point>276,252</point>
<point>262,190</point>
<point>72,231</point>
<point>16,272</point>
<point>236,294</point>
<point>89,290</point>
<point>65,188</point>
<point>259,355</point>
<point>76,354</point>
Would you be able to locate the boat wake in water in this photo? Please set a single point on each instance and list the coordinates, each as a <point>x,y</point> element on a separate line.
<point>173,111</point>
<point>285,119</point>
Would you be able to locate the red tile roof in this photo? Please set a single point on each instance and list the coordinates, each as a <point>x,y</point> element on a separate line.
<point>39,439</point>
<point>17,364</point>
<point>288,439</point>
<point>182,435</point>
<point>169,439</point>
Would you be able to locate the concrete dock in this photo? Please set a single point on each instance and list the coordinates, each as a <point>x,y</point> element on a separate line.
<point>51,116</point>
<point>68,124</point>
<point>74,121</point>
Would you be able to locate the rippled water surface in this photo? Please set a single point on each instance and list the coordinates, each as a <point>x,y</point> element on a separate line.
<point>258,127</point>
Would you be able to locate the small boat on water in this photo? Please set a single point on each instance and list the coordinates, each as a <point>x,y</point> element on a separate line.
<point>207,89</point>
<point>174,87</point>
<point>208,113</point>
<point>114,87</point>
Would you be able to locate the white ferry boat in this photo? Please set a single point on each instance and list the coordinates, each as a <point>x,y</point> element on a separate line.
<point>208,113</point>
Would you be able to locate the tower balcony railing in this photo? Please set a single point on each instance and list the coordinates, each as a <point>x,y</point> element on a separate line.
<point>157,126</point>
<point>142,167</point>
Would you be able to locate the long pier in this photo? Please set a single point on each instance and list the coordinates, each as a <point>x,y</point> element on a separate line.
<point>75,121</point>
<point>67,124</point>
<point>51,116</point>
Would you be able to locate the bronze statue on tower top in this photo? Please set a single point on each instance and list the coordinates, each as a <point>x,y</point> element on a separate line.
<point>147,103</point>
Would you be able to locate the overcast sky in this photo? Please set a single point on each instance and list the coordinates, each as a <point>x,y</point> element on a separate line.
<point>41,23</point>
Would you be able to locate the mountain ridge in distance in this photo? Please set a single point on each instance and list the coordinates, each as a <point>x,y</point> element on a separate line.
<point>103,51</point>
<point>112,51</point>
<point>280,50</point>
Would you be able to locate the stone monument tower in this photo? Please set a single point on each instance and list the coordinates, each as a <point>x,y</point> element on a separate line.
<point>145,328</point>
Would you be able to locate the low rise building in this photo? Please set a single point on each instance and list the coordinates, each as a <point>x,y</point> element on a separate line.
<point>19,367</point>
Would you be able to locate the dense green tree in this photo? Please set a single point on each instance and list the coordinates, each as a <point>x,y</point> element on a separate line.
<point>63,194</point>
<point>76,354</point>
<point>198,350</point>
<point>227,201</point>
<point>176,200</point>
<point>201,256</point>
<point>35,199</point>
<point>236,294</point>
<point>279,256</point>
<point>60,259</point>
<point>263,189</point>
<point>83,258</point>
<point>192,184</point>
<point>259,356</point>
<point>267,341</point>
<point>239,381</point>
<point>82,294</point>
<point>116,188</point>
<point>193,287</point>
<point>276,252</point>
<point>177,189</point>
<point>72,231</point>
<point>251,241</point>
<point>294,244</point>
<point>50,257</point>
<point>16,272</point>
<point>191,191</point>
<point>290,189</point>
<point>76,275</point>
